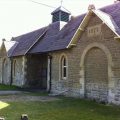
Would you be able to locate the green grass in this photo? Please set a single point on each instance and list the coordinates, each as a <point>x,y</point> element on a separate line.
<point>8,87</point>
<point>64,109</point>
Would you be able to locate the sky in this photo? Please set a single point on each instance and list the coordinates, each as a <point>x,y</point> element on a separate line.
<point>22,16</point>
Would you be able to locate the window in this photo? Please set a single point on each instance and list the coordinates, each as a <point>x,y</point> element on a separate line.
<point>63,67</point>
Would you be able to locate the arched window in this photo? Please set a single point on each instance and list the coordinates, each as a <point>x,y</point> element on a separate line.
<point>64,67</point>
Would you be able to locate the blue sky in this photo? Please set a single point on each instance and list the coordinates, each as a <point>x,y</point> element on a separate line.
<point>21,16</point>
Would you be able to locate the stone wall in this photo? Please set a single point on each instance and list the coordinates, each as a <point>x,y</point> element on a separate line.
<point>70,86</point>
<point>96,75</point>
<point>5,67</point>
<point>74,85</point>
<point>5,70</point>
<point>19,71</point>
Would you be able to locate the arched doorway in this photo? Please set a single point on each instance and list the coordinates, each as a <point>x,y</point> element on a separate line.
<point>85,57</point>
<point>96,74</point>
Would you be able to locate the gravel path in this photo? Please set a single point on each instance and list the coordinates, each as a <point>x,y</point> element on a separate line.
<point>10,96</point>
<point>10,92</point>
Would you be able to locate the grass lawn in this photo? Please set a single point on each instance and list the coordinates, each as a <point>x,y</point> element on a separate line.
<point>8,87</point>
<point>64,109</point>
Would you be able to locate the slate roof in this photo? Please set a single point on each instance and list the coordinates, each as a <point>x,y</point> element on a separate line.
<point>61,40</point>
<point>61,8</point>
<point>10,46</point>
<point>108,20</point>
<point>56,39</point>
<point>25,41</point>
<point>114,11</point>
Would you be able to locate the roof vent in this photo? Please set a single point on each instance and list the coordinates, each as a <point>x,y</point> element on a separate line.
<point>60,14</point>
<point>116,1</point>
<point>91,7</point>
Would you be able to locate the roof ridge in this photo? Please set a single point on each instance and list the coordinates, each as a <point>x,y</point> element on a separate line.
<point>60,8</point>
<point>66,9</point>
<point>13,48</point>
<point>106,6</point>
<point>29,32</point>
<point>36,41</point>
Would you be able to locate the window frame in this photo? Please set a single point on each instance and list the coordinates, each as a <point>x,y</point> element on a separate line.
<point>63,67</point>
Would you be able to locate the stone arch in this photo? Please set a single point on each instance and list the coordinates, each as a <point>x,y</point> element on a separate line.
<point>82,67</point>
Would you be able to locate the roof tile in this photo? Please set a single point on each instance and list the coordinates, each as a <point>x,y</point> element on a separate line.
<point>56,38</point>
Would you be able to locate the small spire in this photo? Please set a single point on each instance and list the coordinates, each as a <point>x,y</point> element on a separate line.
<point>91,7</point>
<point>3,39</point>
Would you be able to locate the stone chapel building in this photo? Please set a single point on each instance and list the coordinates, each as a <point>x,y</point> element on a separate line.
<point>74,56</point>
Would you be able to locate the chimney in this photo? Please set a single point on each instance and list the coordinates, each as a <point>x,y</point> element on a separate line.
<point>116,1</point>
<point>91,7</point>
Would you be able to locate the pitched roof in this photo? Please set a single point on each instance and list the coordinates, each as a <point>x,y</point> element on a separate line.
<point>108,20</point>
<point>9,46</point>
<point>26,41</point>
<point>56,39</point>
<point>114,11</point>
<point>106,14</point>
<point>61,8</point>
